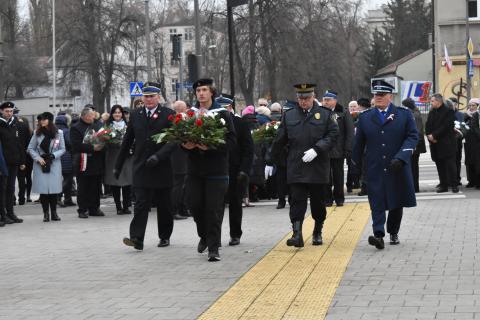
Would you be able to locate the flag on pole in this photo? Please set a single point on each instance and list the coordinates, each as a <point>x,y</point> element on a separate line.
<point>448,62</point>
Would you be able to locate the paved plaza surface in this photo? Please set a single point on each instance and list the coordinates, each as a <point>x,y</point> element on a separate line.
<point>79,269</point>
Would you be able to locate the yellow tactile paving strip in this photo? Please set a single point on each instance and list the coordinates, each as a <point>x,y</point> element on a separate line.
<point>295,284</point>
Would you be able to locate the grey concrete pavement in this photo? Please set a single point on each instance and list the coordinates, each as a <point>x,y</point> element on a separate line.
<point>79,268</point>
<point>432,274</point>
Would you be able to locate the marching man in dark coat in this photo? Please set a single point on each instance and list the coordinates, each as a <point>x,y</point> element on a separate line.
<point>390,136</point>
<point>310,132</point>
<point>152,172</point>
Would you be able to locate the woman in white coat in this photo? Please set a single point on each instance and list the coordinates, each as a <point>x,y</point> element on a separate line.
<point>46,148</point>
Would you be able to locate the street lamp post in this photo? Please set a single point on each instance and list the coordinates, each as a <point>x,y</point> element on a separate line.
<point>147,37</point>
<point>54,67</point>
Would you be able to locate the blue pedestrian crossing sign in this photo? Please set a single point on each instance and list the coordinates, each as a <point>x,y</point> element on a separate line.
<point>136,89</point>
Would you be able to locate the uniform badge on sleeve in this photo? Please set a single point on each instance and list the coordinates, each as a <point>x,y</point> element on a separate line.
<point>317,115</point>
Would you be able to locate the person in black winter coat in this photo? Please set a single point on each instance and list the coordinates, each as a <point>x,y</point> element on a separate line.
<point>24,176</point>
<point>421,148</point>
<point>15,157</point>
<point>341,150</point>
<point>61,121</point>
<point>88,164</point>
<point>440,132</point>
<point>152,171</point>
<point>310,132</point>
<point>240,160</point>
<point>208,173</point>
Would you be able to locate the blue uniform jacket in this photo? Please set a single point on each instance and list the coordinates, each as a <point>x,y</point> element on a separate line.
<point>393,138</point>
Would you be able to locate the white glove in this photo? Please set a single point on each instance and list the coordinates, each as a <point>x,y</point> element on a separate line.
<point>268,172</point>
<point>309,155</point>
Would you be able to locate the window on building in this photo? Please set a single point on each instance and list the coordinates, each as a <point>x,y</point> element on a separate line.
<point>172,32</point>
<point>189,34</point>
<point>174,85</point>
<point>473,8</point>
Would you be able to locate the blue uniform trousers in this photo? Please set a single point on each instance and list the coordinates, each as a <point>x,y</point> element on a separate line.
<point>393,222</point>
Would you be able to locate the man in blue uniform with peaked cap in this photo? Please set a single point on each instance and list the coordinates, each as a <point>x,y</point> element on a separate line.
<point>390,136</point>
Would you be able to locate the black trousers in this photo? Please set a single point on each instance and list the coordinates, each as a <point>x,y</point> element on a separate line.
<point>178,195</point>
<point>24,183</point>
<point>415,171</point>
<point>336,181</point>
<point>67,185</point>
<point>122,196</point>
<point>458,161</point>
<point>447,172</point>
<point>9,189</point>
<point>206,201</point>
<point>393,222</point>
<point>88,193</point>
<point>235,195</point>
<point>282,186</point>
<point>49,200</point>
<point>352,176</point>
<point>299,193</point>
<point>144,198</point>
<point>472,175</point>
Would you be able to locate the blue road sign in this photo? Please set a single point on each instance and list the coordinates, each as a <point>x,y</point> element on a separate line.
<point>470,68</point>
<point>186,85</point>
<point>136,89</point>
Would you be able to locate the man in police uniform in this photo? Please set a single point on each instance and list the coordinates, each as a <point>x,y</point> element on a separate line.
<point>389,135</point>
<point>341,150</point>
<point>310,132</point>
<point>240,163</point>
<point>152,172</point>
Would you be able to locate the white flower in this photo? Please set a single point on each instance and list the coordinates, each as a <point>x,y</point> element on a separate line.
<point>467,127</point>
<point>456,122</point>
<point>222,121</point>
<point>114,134</point>
<point>457,126</point>
<point>276,126</point>
<point>184,116</point>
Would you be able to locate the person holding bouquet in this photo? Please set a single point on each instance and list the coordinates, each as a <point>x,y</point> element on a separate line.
<point>208,171</point>
<point>88,163</point>
<point>152,172</point>
<point>121,187</point>
<point>46,149</point>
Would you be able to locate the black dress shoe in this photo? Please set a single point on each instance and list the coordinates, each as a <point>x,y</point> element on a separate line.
<point>127,211</point>
<point>281,203</point>
<point>68,203</point>
<point>177,216</point>
<point>213,255</point>
<point>377,242</point>
<point>442,190</point>
<point>82,215</point>
<point>7,220</point>
<point>349,190</point>
<point>133,243</point>
<point>163,243</point>
<point>455,189</point>
<point>2,224</point>
<point>15,218</point>
<point>362,193</point>
<point>328,204</point>
<point>394,239</point>
<point>234,242</point>
<point>317,239</point>
<point>29,200</point>
<point>339,204</point>
<point>97,213</point>
<point>202,245</point>
<point>120,212</point>
<point>470,185</point>
<point>21,202</point>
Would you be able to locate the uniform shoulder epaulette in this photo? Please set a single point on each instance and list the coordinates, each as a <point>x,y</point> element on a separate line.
<point>403,107</point>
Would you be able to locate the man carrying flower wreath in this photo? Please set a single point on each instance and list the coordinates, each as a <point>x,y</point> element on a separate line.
<point>208,172</point>
<point>152,172</point>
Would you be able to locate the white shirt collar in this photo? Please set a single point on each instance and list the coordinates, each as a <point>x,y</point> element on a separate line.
<point>152,111</point>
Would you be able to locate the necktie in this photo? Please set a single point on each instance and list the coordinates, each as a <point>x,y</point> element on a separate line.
<point>384,114</point>
<point>149,113</point>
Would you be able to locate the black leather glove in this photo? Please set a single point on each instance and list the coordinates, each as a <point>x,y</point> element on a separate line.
<point>396,165</point>
<point>116,173</point>
<point>152,161</point>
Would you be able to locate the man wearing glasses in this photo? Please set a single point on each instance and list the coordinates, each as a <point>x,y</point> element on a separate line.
<point>389,135</point>
<point>310,132</point>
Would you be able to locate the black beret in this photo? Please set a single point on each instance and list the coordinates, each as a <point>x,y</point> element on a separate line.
<point>202,82</point>
<point>44,116</point>
<point>7,104</point>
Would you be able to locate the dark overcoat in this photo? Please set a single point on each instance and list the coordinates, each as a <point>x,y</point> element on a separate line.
<point>140,130</point>
<point>441,123</point>
<point>394,138</point>
<point>318,130</point>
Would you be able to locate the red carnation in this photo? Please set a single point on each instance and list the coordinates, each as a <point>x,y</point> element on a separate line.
<point>198,122</point>
<point>170,117</point>
<point>190,113</point>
